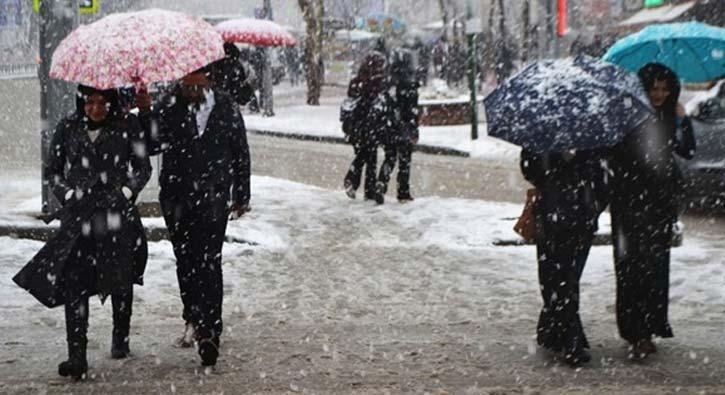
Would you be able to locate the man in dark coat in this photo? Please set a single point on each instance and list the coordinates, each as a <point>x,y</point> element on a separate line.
<point>366,117</point>
<point>646,194</point>
<point>401,135</point>
<point>230,76</point>
<point>205,165</point>
<point>571,195</point>
<point>98,165</point>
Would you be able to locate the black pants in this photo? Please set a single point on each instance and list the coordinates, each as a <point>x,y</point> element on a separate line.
<point>80,279</point>
<point>197,225</point>
<point>562,253</point>
<point>366,155</point>
<point>400,152</point>
<point>642,265</point>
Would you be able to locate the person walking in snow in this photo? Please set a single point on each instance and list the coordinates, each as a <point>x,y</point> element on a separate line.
<point>366,116</point>
<point>647,189</point>
<point>205,165</point>
<point>97,166</point>
<point>571,194</point>
<point>402,134</point>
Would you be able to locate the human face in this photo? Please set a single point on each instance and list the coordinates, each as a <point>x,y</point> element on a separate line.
<point>194,86</point>
<point>96,107</point>
<point>659,93</point>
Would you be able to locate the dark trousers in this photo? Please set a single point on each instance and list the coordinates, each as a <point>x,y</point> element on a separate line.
<point>196,226</point>
<point>81,277</point>
<point>366,155</point>
<point>402,153</point>
<point>562,254</point>
<point>642,265</point>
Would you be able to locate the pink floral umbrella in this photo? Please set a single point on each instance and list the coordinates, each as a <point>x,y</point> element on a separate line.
<point>260,32</point>
<point>136,48</point>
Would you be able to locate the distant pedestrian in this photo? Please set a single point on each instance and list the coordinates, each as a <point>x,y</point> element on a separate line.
<point>402,134</point>
<point>366,116</point>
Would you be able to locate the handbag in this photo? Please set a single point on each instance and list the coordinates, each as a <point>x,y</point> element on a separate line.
<point>526,224</point>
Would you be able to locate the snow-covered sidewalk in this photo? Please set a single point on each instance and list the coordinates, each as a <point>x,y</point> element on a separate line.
<point>342,295</point>
<point>323,121</point>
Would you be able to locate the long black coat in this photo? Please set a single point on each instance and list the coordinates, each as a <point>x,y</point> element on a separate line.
<point>647,188</point>
<point>217,160</point>
<point>572,194</point>
<point>96,171</point>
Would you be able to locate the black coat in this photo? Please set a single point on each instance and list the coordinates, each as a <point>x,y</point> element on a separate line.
<point>646,177</point>
<point>230,76</point>
<point>406,111</point>
<point>572,190</point>
<point>370,117</point>
<point>217,160</point>
<point>97,171</point>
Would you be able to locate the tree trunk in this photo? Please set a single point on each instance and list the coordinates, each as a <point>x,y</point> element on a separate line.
<point>444,15</point>
<point>312,50</point>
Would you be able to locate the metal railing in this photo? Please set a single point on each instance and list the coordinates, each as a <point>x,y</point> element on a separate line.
<point>15,71</point>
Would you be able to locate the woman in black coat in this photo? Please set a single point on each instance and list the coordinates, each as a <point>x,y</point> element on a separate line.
<point>367,115</point>
<point>646,194</point>
<point>402,135</point>
<point>97,166</point>
<point>571,194</point>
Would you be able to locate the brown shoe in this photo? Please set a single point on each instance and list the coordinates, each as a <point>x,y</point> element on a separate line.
<point>187,339</point>
<point>642,348</point>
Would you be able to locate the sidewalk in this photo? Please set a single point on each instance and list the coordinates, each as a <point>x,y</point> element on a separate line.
<point>322,123</point>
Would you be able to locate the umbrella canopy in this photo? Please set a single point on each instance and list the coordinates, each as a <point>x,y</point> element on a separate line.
<point>575,103</point>
<point>136,48</point>
<point>694,51</point>
<point>259,32</point>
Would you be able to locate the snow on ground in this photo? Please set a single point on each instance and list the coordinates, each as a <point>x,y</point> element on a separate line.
<point>290,220</point>
<point>324,121</point>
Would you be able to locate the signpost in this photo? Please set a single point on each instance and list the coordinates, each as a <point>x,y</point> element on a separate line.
<point>57,20</point>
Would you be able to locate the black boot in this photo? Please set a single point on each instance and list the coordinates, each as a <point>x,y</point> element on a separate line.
<point>122,304</point>
<point>76,366</point>
<point>76,322</point>
<point>209,351</point>
<point>119,345</point>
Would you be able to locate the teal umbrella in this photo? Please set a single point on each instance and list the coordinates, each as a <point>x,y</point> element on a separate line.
<point>694,51</point>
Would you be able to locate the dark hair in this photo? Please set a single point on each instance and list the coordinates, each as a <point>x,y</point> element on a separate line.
<point>652,72</point>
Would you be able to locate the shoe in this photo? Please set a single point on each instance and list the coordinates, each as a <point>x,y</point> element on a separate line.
<point>349,191</point>
<point>405,198</point>
<point>209,351</point>
<point>576,354</point>
<point>647,346</point>
<point>119,346</point>
<point>187,339</point>
<point>77,369</point>
<point>641,349</point>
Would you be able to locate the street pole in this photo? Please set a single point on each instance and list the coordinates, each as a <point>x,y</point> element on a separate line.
<point>57,19</point>
<point>472,72</point>
<point>472,84</point>
<point>267,100</point>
